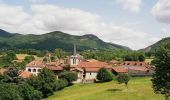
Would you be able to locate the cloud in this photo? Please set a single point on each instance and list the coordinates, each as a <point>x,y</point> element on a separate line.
<point>161,11</point>
<point>36,1</point>
<point>132,5</point>
<point>46,18</point>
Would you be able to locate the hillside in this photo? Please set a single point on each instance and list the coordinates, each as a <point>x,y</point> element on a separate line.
<point>138,89</point>
<point>53,40</point>
<point>155,46</point>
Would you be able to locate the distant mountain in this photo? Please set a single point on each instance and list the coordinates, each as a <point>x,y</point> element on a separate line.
<point>155,46</point>
<point>53,40</point>
<point>4,33</point>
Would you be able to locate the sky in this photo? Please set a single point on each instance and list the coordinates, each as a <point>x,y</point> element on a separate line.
<point>132,23</point>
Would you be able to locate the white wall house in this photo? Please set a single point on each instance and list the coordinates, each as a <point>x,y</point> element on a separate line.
<point>33,70</point>
<point>35,67</point>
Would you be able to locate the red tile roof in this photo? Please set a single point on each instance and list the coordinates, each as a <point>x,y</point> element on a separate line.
<point>135,63</point>
<point>120,69</point>
<point>144,69</point>
<point>25,74</point>
<point>93,64</point>
<point>36,63</point>
<point>55,68</point>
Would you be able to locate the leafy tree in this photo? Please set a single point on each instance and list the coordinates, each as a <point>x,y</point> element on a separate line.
<point>141,57</point>
<point>161,77</point>
<point>104,75</point>
<point>60,84</point>
<point>19,65</point>
<point>69,76</point>
<point>10,56</point>
<point>44,82</point>
<point>123,78</point>
<point>45,59</point>
<point>53,58</point>
<point>9,92</point>
<point>27,92</point>
<point>12,76</point>
<point>128,58</point>
<point>29,59</point>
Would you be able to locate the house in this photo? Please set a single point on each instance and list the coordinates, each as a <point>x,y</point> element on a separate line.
<point>114,62</point>
<point>35,67</point>
<point>118,69</point>
<point>22,74</point>
<point>87,71</point>
<point>136,68</point>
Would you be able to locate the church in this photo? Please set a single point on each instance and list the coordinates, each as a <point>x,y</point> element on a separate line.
<point>86,69</point>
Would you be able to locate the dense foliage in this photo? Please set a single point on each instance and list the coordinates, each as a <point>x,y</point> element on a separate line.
<point>123,78</point>
<point>104,75</point>
<point>69,76</point>
<point>34,88</point>
<point>9,92</point>
<point>161,77</point>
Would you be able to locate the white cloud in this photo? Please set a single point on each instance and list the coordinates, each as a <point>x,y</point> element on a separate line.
<point>132,5</point>
<point>161,11</point>
<point>46,18</point>
<point>36,1</point>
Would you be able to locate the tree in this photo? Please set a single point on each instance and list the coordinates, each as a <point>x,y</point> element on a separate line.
<point>53,58</point>
<point>161,77</point>
<point>44,82</point>
<point>27,92</point>
<point>123,78</point>
<point>104,75</point>
<point>28,59</point>
<point>69,76</point>
<point>12,76</point>
<point>128,58</point>
<point>10,56</point>
<point>9,92</point>
<point>141,57</point>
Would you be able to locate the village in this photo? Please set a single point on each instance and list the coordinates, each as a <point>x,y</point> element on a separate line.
<point>86,69</point>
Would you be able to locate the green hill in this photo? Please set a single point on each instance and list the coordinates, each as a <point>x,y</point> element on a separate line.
<point>155,46</point>
<point>53,40</point>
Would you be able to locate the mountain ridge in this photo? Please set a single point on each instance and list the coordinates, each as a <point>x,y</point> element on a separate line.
<point>53,40</point>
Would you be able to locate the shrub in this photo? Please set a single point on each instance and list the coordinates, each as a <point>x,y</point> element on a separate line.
<point>44,82</point>
<point>27,92</point>
<point>60,84</point>
<point>123,78</point>
<point>69,76</point>
<point>104,75</point>
<point>9,92</point>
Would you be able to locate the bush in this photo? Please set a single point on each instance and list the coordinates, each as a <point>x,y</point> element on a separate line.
<point>123,78</point>
<point>9,92</point>
<point>44,82</point>
<point>60,84</point>
<point>104,75</point>
<point>69,76</point>
<point>27,92</point>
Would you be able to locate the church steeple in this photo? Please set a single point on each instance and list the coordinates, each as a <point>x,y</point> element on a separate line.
<point>75,51</point>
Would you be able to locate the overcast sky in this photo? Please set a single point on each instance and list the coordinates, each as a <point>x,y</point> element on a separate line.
<point>133,23</point>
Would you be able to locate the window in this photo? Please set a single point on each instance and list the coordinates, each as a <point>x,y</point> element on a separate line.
<point>74,61</point>
<point>34,70</point>
<point>29,70</point>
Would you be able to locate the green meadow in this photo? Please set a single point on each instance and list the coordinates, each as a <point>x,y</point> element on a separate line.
<point>138,89</point>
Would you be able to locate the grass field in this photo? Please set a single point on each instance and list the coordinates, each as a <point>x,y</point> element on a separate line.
<point>138,89</point>
<point>22,57</point>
